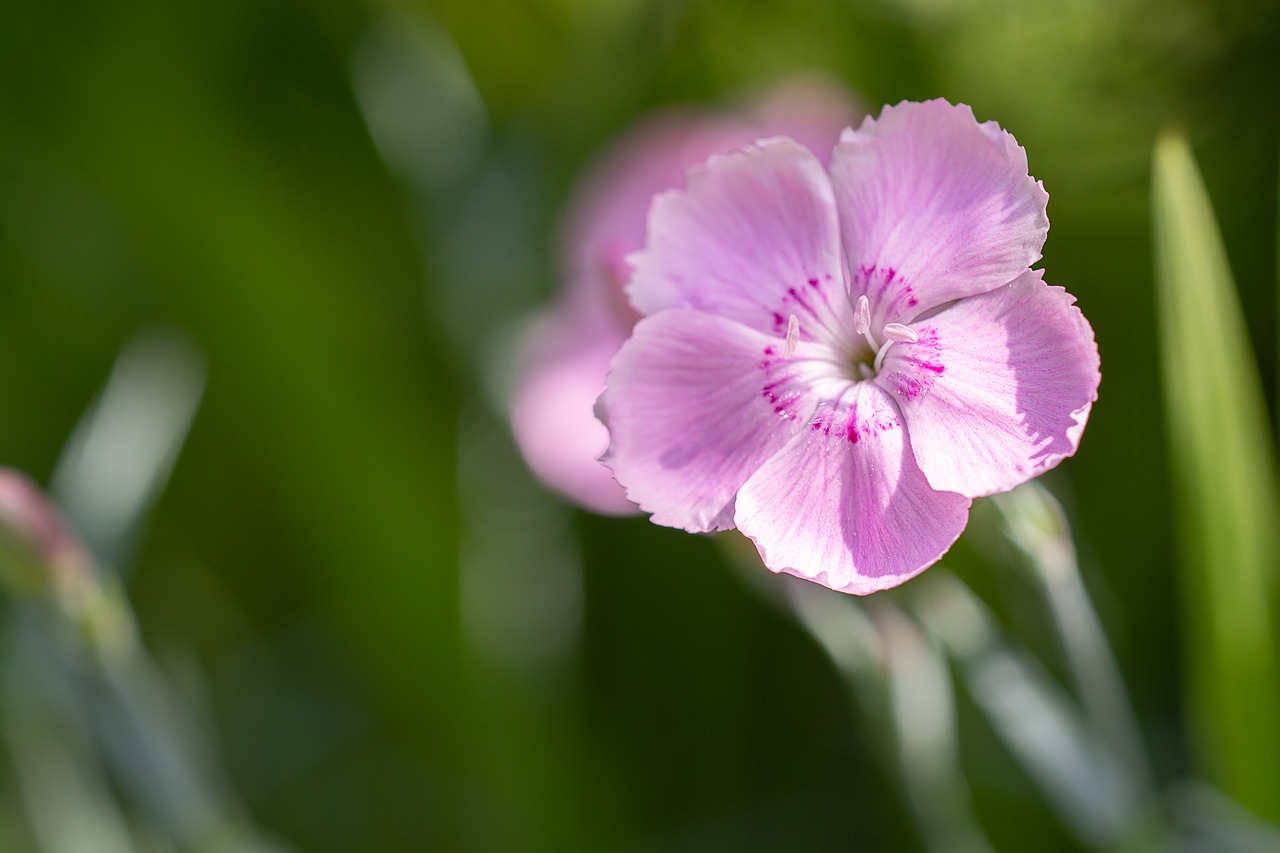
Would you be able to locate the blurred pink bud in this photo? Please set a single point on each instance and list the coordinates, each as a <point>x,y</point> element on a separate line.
<point>33,530</point>
<point>565,353</point>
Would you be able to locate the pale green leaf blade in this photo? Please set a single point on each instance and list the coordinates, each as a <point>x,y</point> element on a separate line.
<point>1224,476</point>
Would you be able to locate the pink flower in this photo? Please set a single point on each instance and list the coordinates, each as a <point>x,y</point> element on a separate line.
<point>565,355</point>
<point>837,362</point>
<point>34,536</point>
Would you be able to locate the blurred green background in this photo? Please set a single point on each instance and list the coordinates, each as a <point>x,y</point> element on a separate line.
<point>396,638</point>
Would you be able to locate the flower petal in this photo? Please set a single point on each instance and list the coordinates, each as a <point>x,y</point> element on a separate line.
<point>562,374</point>
<point>810,108</point>
<point>998,387</point>
<point>934,207</point>
<point>694,404</point>
<point>753,238</point>
<point>607,214</point>
<point>844,503</point>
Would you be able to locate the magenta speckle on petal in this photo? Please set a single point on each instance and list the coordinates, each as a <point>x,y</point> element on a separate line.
<point>909,388</point>
<point>891,294</point>
<point>920,368</point>
<point>915,379</point>
<point>851,424</point>
<point>822,422</point>
<point>795,294</point>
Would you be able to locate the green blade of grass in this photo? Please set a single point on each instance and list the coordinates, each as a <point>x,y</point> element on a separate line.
<point>1224,475</point>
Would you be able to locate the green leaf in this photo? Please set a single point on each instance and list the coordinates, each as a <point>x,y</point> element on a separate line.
<point>1224,476</point>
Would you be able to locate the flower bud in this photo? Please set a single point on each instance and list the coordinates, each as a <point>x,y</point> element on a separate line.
<point>37,547</point>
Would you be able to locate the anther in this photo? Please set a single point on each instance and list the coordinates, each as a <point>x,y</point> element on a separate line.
<point>793,335</point>
<point>900,333</point>
<point>862,316</point>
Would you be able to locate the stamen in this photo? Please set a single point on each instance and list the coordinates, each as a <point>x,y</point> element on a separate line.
<point>879,361</point>
<point>793,335</point>
<point>862,316</point>
<point>862,321</point>
<point>894,333</point>
<point>900,333</point>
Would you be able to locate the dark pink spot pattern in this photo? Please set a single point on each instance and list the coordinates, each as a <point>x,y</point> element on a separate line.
<point>917,366</point>
<point>782,388</point>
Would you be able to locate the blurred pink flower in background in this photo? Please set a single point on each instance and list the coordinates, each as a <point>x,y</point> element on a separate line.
<point>564,356</point>
<point>836,362</point>
<point>35,536</point>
